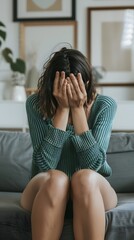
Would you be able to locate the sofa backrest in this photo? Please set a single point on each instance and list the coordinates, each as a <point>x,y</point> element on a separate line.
<point>16,158</point>
<point>120,156</point>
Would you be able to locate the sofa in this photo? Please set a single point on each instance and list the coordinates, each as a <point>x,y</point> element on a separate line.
<point>15,168</point>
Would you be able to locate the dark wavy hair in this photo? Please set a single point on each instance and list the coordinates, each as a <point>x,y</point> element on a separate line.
<point>67,60</point>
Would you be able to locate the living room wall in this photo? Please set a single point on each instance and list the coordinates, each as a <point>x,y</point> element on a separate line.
<point>13,39</point>
<point>13,36</point>
<point>81,16</point>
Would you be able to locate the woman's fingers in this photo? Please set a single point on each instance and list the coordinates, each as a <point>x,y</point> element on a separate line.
<point>63,84</point>
<point>74,82</point>
<point>69,93</point>
<point>56,82</point>
<point>62,79</point>
<point>59,81</point>
<point>64,88</point>
<point>78,85</point>
<point>81,83</point>
<point>76,91</point>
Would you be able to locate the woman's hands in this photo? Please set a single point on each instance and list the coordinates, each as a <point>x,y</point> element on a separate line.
<point>70,92</point>
<point>77,97</point>
<point>71,95</point>
<point>60,90</point>
<point>76,91</point>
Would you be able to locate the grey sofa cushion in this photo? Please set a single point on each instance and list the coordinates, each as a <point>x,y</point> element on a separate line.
<point>120,220</point>
<point>122,179</point>
<point>15,160</point>
<point>120,156</point>
<point>15,222</point>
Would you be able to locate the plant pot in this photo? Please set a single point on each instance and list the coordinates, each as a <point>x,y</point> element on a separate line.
<point>18,93</point>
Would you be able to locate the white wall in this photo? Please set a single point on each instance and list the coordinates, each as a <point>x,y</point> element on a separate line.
<point>81,15</point>
<point>6,15</point>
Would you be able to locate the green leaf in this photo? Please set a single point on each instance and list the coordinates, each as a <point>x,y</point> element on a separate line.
<point>8,55</point>
<point>18,66</point>
<point>2,24</point>
<point>2,33</point>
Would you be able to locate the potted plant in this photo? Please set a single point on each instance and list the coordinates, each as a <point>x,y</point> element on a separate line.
<point>18,77</point>
<point>17,66</point>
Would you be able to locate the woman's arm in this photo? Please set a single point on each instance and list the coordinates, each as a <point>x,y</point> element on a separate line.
<point>48,137</point>
<point>47,140</point>
<point>60,119</point>
<point>90,144</point>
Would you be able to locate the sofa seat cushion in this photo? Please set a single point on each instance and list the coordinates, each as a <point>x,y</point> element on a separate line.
<point>11,213</point>
<point>120,220</point>
<point>15,221</point>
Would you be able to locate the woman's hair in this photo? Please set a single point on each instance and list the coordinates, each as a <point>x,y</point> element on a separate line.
<point>69,61</point>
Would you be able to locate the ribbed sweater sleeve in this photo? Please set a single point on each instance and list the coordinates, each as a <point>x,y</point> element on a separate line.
<point>47,141</point>
<point>91,146</point>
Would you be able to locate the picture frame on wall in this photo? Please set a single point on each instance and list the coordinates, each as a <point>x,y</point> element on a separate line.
<point>38,10</point>
<point>38,40</point>
<point>110,39</point>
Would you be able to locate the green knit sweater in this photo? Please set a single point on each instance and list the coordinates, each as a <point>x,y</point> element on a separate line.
<point>64,150</point>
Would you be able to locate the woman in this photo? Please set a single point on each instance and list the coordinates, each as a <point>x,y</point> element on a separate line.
<point>70,126</point>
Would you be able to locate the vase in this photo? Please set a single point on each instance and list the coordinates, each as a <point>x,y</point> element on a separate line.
<point>18,93</point>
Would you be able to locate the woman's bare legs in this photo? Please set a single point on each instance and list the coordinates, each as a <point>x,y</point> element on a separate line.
<point>46,196</point>
<point>92,195</point>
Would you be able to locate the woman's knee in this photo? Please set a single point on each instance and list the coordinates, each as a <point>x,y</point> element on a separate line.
<point>54,178</point>
<point>58,180</point>
<point>84,182</point>
<point>56,188</point>
<point>53,184</point>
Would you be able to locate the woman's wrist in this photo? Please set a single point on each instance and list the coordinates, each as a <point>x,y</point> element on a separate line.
<point>77,110</point>
<point>79,120</point>
<point>63,110</point>
<point>60,119</point>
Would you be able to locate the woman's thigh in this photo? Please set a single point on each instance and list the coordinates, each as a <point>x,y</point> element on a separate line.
<point>88,181</point>
<point>37,182</point>
<point>109,195</point>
